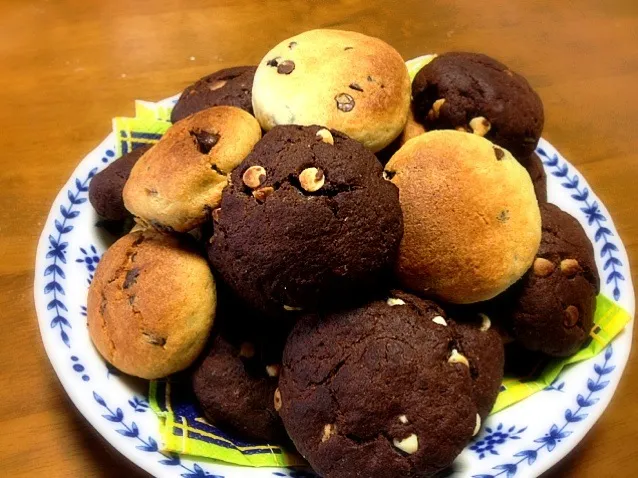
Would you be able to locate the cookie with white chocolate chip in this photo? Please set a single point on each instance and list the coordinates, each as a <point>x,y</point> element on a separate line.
<point>551,309</point>
<point>475,93</point>
<point>383,389</point>
<point>151,304</point>
<point>344,80</point>
<point>306,219</point>
<point>176,184</point>
<point>229,87</point>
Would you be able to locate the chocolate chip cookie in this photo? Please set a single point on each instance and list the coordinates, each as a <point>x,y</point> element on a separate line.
<point>472,223</point>
<point>227,87</point>
<point>551,309</point>
<point>306,219</point>
<point>237,377</point>
<point>342,80</point>
<point>383,390</point>
<point>105,189</point>
<point>475,93</point>
<point>180,180</point>
<point>151,304</point>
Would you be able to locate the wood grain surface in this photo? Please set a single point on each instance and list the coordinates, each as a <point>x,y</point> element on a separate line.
<point>68,67</point>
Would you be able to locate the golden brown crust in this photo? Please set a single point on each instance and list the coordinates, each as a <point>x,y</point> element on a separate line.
<point>151,304</point>
<point>471,219</point>
<point>342,80</point>
<point>177,182</point>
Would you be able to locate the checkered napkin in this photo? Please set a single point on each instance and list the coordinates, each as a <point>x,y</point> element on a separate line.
<point>185,430</point>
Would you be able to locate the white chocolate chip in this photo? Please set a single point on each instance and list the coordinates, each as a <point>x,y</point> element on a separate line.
<point>273,370</point>
<point>328,431</point>
<point>408,445</point>
<point>480,125</point>
<point>456,357</point>
<point>290,308</point>
<point>436,109</point>
<point>326,136</point>
<point>543,267</point>
<point>393,301</point>
<point>486,322</point>
<point>312,179</point>
<point>254,176</point>
<point>570,267</point>
<point>277,400</point>
<point>439,320</point>
<point>477,427</point>
<point>403,419</point>
<point>247,350</point>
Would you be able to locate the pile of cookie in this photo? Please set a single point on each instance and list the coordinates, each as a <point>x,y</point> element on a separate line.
<point>338,255</point>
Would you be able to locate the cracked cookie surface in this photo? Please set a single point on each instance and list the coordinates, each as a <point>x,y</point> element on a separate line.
<point>227,87</point>
<point>380,390</point>
<point>478,94</point>
<point>551,309</point>
<point>151,304</point>
<point>344,80</point>
<point>176,184</point>
<point>306,218</point>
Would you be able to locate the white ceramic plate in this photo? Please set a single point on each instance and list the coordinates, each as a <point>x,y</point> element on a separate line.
<point>523,440</point>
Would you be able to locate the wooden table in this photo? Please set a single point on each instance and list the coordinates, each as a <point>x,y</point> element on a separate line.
<point>67,67</point>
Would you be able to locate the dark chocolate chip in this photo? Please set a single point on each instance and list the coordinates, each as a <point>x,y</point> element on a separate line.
<point>355,86</point>
<point>274,61</point>
<point>292,44</point>
<point>504,216</point>
<point>370,78</point>
<point>348,48</point>
<point>286,67</point>
<point>345,102</point>
<point>571,316</point>
<point>499,153</point>
<point>154,339</point>
<point>205,140</point>
<point>131,277</point>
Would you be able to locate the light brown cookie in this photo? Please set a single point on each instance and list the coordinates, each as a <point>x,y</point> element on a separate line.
<point>471,220</point>
<point>179,181</point>
<point>347,81</point>
<point>151,304</point>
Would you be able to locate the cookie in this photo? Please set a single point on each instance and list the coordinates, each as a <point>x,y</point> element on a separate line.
<point>235,382</point>
<point>180,180</point>
<point>475,93</point>
<point>534,167</point>
<point>472,223</point>
<point>342,80</point>
<point>411,130</point>
<point>105,189</point>
<point>551,310</point>
<point>482,345</point>
<point>227,87</point>
<point>382,390</point>
<point>151,304</point>
<point>306,219</point>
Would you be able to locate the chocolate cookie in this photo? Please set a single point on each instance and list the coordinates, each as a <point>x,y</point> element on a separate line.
<point>180,180</point>
<point>482,345</point>
<point>534,167</point>
<point>551,309</point>
<point>236,380</point>
<point>227,87</point>
<point>307,218</point>
<point>105,189</point>
<point>151,304</point>
<point>382,390</point>
<point>475,93</point>
<point>472,223</point>
<point>344,80</point>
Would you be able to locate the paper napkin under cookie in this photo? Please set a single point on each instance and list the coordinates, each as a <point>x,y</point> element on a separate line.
<point>184,429</point>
